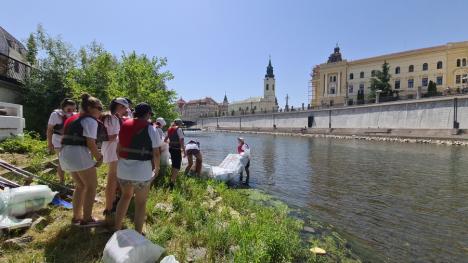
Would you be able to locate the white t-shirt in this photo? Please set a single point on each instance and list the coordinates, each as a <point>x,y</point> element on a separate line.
<point>56,117</point>
<point>192,146</point>
<point>77,157</point>
<point>180,133</point>
<point>160,132</point>
<point>136,170</point>
<point>109,148</point>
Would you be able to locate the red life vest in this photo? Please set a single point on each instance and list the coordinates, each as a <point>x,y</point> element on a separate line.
<point>239,148</point>
<point>135,141</point>
<point>58,128</point>
<point>73,131</point>
<point>174,139</point>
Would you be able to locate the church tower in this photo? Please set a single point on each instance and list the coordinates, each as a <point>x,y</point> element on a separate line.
<point>269,84</point>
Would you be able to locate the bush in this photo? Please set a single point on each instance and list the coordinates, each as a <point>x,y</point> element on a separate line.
<point>29,143</point>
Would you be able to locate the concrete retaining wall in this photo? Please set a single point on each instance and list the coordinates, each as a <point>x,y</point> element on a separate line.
<point>416,114</point>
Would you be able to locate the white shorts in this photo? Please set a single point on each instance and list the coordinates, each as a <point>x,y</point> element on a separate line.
<point>74,158</point>
<point>134,170</point>
<point>109,151</point>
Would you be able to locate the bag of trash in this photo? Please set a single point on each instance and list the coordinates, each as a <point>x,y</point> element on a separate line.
<point>165,154</point>
<point>232,163</point>
<point>128,246</point>
<point>21,200</point>
<point>169,259</point>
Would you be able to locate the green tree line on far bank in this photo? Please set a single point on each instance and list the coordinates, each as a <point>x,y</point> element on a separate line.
<point>59,71</point>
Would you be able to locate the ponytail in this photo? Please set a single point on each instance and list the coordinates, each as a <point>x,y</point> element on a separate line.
<point>88,101</point>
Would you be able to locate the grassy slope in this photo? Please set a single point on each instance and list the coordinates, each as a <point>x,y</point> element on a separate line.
<point>233,225</point>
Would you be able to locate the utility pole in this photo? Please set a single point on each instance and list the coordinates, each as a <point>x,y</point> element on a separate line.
<point>287,101</point>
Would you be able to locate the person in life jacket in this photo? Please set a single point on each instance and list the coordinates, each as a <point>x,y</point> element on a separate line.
<point>76,156</point>
<point>244,150</point>
<point>138,151</point>
<point>112,122</point>
<point>175,136</point>
<point>193,149</point>
<point>55,129</point>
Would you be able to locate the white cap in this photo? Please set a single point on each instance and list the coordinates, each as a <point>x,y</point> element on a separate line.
<point>161,121</point>
<point>122,101</point>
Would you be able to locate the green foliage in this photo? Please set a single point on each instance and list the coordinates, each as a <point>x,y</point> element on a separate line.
<point>381,81</point>
<point>61,72</point>
<point>432,89</point>
<point>29,143</point>
<point>32,49</point>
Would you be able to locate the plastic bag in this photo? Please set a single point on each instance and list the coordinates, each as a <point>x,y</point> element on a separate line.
<point>169,259</point>
<point>165,155</point>
<point>128,246</point>
<point>22,200</point>
<point>25,199</point>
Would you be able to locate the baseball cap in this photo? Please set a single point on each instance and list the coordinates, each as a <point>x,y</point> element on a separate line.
<point>142,109</point>
<point>240,138</point>
<point>178,121</point>
<point>161,121</point>
<point>122,101</point>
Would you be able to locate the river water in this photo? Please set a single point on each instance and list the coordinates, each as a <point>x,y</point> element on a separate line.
<point>403,202</point>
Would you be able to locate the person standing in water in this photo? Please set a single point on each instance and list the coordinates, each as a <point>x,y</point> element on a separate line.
<point>175,135</point>
<point>244,150</point>
<point>55,130</point>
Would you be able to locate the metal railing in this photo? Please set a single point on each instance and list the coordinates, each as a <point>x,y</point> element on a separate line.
<point>13,70</point>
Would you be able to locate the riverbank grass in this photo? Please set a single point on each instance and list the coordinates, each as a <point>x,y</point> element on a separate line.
<point>197,221</point>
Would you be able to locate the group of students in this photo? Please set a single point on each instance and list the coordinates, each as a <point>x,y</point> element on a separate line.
<point>131,146</point>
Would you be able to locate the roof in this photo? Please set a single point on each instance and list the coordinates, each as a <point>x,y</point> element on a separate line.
<point>205,100</point>
<point>7,41</point>
<point>251,99</point>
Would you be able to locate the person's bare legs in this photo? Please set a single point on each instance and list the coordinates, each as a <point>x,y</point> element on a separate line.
<point>189,164</point>
<point>78,195</point>
<point>122,206</point>
<point>111,187</point>
<point>60,172</point>
<point>141,196</point>
<point>198,164</point>
<point>89,179</point>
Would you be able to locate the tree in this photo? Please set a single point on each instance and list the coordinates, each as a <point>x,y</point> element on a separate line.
<point>432,89</point>
<point>381,81</point>
<point>61,72</point>
<point>32,49</point>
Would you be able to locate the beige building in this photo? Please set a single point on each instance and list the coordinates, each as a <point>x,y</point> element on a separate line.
<point>338,82</point>
<point>266,103</point>
<point>194,109</point>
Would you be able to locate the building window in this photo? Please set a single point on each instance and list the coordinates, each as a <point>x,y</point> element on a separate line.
<point>351,76</point>
<point>350,89</point>
<point>439,65</point>
<point>425,67</point>
<point>334,78</point>
<point>361,75</point>
<point>331,78</point>
<point>332,91</point>
<point>439,80</point>
<point>424,82</point>
<point>373,73</point>
<point>397,84</point>
<point>458,62</point>
<point>361,87</point>
<point>457,79</point>
<point>464,62</point>
<point>464,78</point>
<point>411,83</point>
<point>411,68</point>
<point>397,70</point>
<point>266,86</point>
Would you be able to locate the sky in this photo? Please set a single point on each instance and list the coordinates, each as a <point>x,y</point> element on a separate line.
<point>215,47</point>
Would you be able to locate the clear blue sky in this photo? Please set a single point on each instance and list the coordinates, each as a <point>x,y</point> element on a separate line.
<point>217,46</point>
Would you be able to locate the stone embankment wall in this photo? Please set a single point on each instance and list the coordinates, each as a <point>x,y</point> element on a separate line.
<point>432,117</point>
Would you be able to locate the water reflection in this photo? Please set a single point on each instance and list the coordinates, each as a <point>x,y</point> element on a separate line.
<point>409,202</point>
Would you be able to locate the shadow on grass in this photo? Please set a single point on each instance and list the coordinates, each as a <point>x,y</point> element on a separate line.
<point>73,244</point>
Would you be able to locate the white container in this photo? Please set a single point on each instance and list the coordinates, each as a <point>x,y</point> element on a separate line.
<point>169,259</point>
<point>128,246</point>
<point>25,199</point>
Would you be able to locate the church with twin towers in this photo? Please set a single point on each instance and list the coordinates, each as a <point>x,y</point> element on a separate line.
<point>208,107</point>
